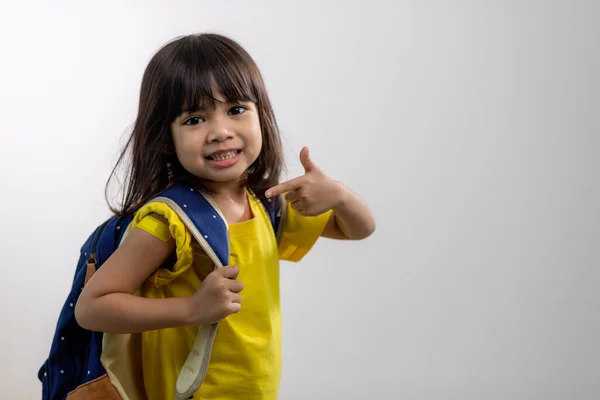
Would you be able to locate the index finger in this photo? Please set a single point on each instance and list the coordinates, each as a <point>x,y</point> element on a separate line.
<point>284,187</point>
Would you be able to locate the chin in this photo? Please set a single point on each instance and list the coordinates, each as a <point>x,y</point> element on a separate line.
<point>227,176</point>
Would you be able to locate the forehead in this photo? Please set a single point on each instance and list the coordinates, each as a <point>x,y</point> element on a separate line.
<point>207,103</point>
<point>215,98</point>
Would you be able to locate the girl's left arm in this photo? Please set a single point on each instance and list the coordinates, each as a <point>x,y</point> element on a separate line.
<point>352,219</point>
<point>315,193</point>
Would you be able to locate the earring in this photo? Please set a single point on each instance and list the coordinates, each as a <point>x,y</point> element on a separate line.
<point>169,171</point>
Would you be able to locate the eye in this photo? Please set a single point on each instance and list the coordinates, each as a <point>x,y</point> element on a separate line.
<point>237,110</point>
<point>194,121</point>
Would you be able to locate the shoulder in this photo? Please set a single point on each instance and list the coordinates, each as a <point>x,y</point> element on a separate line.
<point>156,225</point>
<point>158,219</point>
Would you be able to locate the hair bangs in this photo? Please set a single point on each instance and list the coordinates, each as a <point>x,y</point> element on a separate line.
<point>208,68</point>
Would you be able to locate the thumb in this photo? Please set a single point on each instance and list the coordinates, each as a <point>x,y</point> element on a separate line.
<point>306,161</point>
<point>229,271</point>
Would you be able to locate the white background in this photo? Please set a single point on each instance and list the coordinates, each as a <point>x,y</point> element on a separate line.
<point>471,127</point>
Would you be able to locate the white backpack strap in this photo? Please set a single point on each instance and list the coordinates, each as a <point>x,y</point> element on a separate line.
<point>194,369</point>
<point>208,227</point>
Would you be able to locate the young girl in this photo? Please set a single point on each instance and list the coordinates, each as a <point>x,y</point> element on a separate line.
<point>205,117</point>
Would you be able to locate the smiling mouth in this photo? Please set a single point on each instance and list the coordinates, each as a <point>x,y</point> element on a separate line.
<point>223,155</point>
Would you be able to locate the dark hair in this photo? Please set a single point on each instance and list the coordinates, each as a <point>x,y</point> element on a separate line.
<point>182,76</point>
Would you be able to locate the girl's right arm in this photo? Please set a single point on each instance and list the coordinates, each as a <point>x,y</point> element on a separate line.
<point>108,302</point>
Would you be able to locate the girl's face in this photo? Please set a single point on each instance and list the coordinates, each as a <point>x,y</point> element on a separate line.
<point>219,143</point>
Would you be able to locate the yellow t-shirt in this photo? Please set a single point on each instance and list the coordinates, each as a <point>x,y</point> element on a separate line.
<point>245,360</point>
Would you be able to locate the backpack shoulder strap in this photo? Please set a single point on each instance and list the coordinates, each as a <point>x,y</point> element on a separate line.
<point>279,216</point>
<point>208,227</point>
<point>202,217</point>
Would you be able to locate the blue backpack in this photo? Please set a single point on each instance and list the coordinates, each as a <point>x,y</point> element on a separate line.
<point>74,358</point>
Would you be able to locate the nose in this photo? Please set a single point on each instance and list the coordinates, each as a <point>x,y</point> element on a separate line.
<point>218,131</point>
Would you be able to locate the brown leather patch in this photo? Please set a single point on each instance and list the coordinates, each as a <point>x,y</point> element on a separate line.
<point>98,389</point>
<point>91,270</point>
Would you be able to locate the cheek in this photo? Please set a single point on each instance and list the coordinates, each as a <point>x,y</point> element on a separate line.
<point>185,138</point>
<point>258,140</point>
<point>183,143</point>
<point>255,147</point>
<point>257,136</point>
<point>178,146</point>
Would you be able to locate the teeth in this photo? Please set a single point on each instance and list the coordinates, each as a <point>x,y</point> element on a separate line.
<point>224,156</point>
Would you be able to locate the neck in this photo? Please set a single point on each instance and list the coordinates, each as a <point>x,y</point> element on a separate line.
<point>231,199</point>
<point>233,190</point>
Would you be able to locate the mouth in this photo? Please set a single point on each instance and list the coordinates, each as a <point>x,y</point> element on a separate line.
<point>223,155</point>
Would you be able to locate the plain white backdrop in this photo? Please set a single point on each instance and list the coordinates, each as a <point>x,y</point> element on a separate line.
<point>471,127</point>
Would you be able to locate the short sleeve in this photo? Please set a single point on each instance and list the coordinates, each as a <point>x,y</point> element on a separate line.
<point>159,220</point>
<point>300,233</point>
<point>155,225</point>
